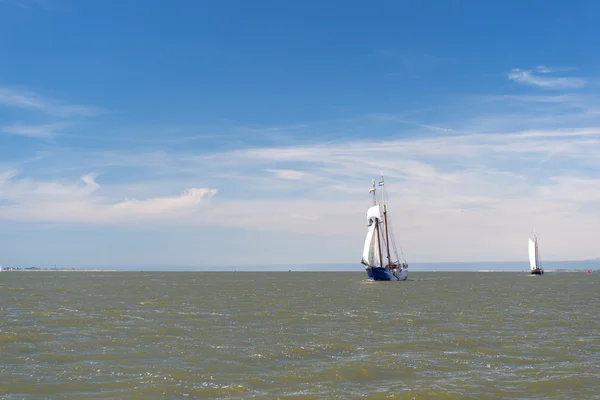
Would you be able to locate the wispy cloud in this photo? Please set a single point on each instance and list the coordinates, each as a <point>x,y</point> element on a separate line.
<point>287,173</point>
<point>26,3</point>
<point>45,131</point>
<point>538,78</point>
<point>30,200</point>
<point>467,189</point>
<point>13,97</point>
<point>453,189</point>
<point>546,70</point>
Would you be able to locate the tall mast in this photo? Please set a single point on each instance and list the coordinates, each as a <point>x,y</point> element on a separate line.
<point>387,236</point>
<point>372,190</point>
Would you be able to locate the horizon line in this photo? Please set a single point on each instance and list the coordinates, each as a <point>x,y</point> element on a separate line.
<point>454,266</point>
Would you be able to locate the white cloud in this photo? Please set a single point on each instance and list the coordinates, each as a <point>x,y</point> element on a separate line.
<point>28,200</point>
<point>479,199</point>
<point>547,70</point>
<point>471,190</point>
<point>13,97</point>
<point>287,173</point>
<point>528,77</point>
<point>44,131</point>
<point>452,197</point>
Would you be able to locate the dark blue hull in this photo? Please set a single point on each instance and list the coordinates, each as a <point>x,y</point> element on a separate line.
<point>537,271</point>
<point>384,274</point>
<point>381,274</point>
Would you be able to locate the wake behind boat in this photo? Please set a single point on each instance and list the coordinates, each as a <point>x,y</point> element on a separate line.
<point>534,256</point>
<point>377,244</point>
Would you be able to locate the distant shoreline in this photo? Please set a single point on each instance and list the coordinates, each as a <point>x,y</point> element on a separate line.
<point>288,271</point>
<point>59,270</point>
<point>524,271</point>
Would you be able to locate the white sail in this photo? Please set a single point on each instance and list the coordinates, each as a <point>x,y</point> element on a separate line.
<point>370,251</point>
<point>373,214</point>
<point>376,248</point>
<point>533,261</point>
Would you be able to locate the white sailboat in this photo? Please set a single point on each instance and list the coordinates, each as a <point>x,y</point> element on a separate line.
<point>534,256</point>
<point>380,243</point>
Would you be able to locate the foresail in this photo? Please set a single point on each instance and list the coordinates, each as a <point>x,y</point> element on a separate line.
<point>368,249</point>
<point>532,254</point>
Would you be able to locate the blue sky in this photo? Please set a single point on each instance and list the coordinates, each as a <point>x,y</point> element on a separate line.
<point>235,132</point>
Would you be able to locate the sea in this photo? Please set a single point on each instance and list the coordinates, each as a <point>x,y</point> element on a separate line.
<point>298,335</point>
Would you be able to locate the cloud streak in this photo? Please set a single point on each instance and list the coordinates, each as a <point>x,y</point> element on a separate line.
<point>29,200</point>
<point>13,97</point>
<point>538,79</point>
<point>44,131</point>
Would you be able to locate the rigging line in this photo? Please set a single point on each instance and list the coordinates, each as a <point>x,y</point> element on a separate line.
<point>394,240</point>
<point>538,259</point>
<point>384,241</point>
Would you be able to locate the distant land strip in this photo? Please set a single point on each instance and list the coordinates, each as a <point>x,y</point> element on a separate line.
<point>56,270</point>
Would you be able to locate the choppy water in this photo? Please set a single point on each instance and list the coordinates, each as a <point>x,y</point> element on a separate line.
<point>135,335</point>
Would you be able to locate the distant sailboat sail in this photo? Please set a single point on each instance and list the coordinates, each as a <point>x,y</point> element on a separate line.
<point>534,261</point>
<point>533,254</point>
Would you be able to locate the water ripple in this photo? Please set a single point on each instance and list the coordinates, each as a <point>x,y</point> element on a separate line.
<point>298,336</point>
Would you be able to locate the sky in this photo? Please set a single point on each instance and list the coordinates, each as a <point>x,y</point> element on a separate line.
<point>197,133</point>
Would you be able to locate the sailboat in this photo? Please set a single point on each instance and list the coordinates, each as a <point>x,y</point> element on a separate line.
<point>377,252</point>
<point>534,256</point>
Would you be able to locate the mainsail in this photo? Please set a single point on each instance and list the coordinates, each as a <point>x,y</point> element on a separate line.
<point>533,253</point>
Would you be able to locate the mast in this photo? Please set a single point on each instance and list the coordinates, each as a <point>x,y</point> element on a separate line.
<point>377,223</point>
<point>372,190</point>
<point>387,235</point>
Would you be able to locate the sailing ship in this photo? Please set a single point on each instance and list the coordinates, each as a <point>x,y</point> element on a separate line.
<point>534,256</point>
<point>380,244</point>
